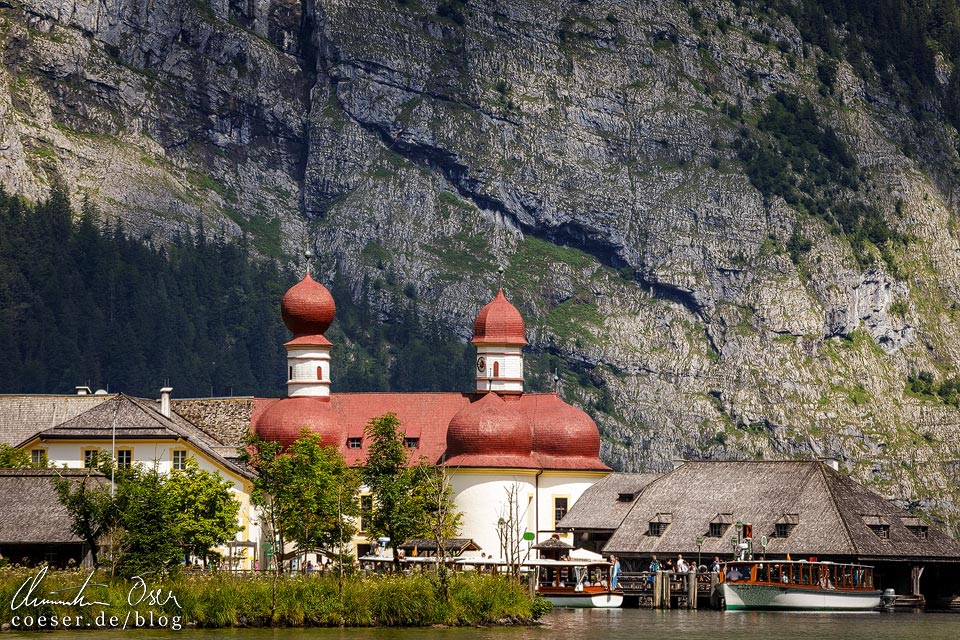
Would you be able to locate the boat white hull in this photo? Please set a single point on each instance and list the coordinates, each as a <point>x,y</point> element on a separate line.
<point>585,600</point>
<point>760,596</point>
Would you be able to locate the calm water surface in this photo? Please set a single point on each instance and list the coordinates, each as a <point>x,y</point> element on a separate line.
<point>617,624</point>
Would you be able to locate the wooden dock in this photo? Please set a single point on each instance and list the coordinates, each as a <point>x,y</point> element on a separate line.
<point>668,590</point>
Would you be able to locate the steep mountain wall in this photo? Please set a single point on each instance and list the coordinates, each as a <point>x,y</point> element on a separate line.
<point>621,160</point>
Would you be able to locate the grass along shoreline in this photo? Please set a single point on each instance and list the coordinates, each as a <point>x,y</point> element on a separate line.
<point>219,600</point>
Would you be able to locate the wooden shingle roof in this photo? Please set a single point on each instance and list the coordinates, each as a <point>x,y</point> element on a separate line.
<point>23,415</point>
<point>32,513</point>
<point>604,505</point>
<point>826,509</point>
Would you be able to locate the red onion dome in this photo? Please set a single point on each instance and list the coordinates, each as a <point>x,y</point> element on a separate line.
<point>308,308</point>
<point>499,323</point>
<point>489,433</point>
<point>284,420</point>
<point>562,430</point>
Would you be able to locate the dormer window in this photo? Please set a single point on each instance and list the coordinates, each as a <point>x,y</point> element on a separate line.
<point>659,524</point>
<point>354,443</point>
<point>881,530</point>
<point>916,526</point>
<point>626,497</point>
<point>879,525</point>
<point>411,443</point>
<point>784,526</point>
<point>719,525</point>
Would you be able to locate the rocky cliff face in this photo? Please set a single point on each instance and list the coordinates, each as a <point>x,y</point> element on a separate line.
<point>595,149</point>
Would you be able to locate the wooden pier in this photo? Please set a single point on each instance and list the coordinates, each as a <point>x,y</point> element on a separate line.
<point>668,590</point>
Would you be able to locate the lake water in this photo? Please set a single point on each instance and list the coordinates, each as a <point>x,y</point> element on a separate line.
<point>617,624</point>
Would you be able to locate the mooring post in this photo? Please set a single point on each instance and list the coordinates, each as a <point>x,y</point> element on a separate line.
<point>714,590</point>
<point>692,590</point>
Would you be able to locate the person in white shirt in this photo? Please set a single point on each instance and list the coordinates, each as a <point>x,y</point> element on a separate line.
<point>682,566</point>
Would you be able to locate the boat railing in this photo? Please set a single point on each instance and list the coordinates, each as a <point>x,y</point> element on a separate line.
<point>823,575</point>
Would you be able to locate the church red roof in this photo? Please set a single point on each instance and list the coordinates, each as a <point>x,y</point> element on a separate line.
<point>560,430</point>
<point>499,323</point>
<point>284,419</point>
<point>427,416</point>
<point>307,308</point>
<point>492,429</point>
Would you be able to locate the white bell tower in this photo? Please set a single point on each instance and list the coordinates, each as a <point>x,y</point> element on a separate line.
<point>308,310</point>
<point>499,335</point>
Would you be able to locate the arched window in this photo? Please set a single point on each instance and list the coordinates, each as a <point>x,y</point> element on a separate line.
<point>290,377</point>
<point>319,373</point>
<point>496,369</point>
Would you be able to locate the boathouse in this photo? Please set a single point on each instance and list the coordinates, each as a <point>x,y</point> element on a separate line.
<point>36,527</point>
<point>772,509</point>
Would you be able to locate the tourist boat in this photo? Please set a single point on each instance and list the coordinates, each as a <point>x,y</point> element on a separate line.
<point>798,585</point>
<point>576,583</point>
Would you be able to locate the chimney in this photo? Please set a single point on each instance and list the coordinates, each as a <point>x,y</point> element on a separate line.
<point>83,391</point>
<point>165,401</point>
<point>833,463</point>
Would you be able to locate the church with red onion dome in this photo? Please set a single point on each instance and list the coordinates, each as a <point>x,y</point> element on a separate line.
<point>493,442</point>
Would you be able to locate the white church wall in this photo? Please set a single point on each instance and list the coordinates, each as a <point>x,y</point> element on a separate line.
<point>482,497</point>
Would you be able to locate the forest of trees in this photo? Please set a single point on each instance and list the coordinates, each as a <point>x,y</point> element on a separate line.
<point>86,304</point>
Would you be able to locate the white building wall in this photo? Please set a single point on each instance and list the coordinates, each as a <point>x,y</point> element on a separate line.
<point>481,496</point>
<point>561,484</point>
<point>70,455</point>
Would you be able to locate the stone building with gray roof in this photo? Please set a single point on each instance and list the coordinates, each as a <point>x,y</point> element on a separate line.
<point>35,527</point>
<point>801,509</point>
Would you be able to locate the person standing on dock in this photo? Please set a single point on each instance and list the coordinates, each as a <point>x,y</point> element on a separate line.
<point>682,566</point>
<point>615,575</point>
<point>654,567</point>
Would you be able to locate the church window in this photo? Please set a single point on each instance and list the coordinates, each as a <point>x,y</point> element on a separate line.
<point>290,376</point>
<point>559,508</point>
<point>319,373</point>
<point>496,369</point>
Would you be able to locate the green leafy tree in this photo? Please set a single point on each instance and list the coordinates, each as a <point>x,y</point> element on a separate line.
<point>399,510</point>
<point>148,515</point>
<point>305,494</point>
<point>91,506</point>
<point>325,489</point>
<point>443,520</point>
<point>206,510</point>
<point>13,458</point>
